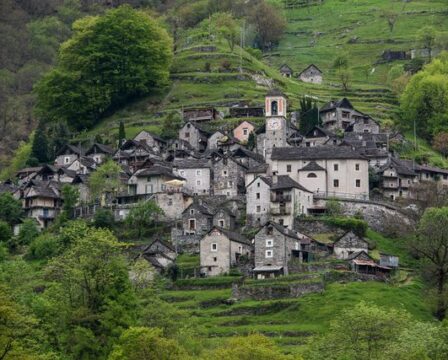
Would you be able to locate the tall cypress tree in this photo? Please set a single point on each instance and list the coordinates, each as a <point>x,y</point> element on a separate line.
<point>121,133</point>
<point>39,149</point>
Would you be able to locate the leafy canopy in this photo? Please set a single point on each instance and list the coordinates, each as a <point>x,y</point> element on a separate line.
<point>108,60</point>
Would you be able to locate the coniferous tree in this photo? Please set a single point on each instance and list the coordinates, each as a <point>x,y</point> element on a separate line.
<point>251,141</point>
<point>39,149</point>
<point>309,115</point>
<point>121,133</point>
<point>60,136</point>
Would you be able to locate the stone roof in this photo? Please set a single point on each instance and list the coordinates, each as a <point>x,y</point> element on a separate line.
<point>232,235</point>
<point>248,153</point>
<point>402,167</point>
<point>105,149</point>
<point>258,169</point>
<point>191,164</point>
<point>315,153</point>
<point>343,103</point>
<point>285,182</point>
<point>320,130</point>
<point>69,148</point>
<point>312,166</point>
<point>282,230</point>
<point>308,67</point>
<point>285,68</point>
<point>157,170</point>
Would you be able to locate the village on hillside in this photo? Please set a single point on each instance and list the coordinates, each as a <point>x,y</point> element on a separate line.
<point>213,187</point>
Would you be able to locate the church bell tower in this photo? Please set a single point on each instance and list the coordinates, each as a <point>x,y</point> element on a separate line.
<point>276,125</point>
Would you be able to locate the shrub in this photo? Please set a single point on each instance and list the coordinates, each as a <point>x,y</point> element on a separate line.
<point>28,232</point>
<point>5,232</point>
<point>359,227</point>
<point>43,247</point>
<point>334,207</point>
<point>104,218</point>
<point>225,65</point>
<point>3,252</point>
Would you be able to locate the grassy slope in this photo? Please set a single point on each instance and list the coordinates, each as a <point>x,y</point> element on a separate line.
<point>291,321</point>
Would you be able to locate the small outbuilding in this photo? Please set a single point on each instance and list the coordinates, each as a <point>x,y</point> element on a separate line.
<point>312,74</point>
<point>286,71</point>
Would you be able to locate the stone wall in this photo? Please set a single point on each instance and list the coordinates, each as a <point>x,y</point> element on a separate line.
<point>269,292</point>
<point>185,243</point>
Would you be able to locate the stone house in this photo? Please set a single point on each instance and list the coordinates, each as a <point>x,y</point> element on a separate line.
<point>152,180</point>
<point>397,177</point>
<point>275,246</point>
<point>201,114</point>
<point>255,171</point>
<point>83,165</point>
<point>159,254</point>
<point>156,143</point>
<point>197,175</point>
<point>65,175</point>
<point>213,141</point>
<point>361,262</point>
<point>365,125</point>
<point>41,200</point>
<point>318,136</point>
<point>194,135</point>
<point>136,154</point>
<point>349,244</point>
<point>220,249</point>
<point>67,154</point>
<point>247,158</point>
<point>288,199</point>
<point>245,111</point>
<point>26,174</point>
<point>99,152</point>
<point>81,182</point>
<point>258,201</point>
<point>339,115</point>
<point>243,130</point>
<point>312,74</point>
<point>228,176</point>
<point>180,149</point>
<point>197,219</point>
<point>173,203</point>
<point>340,171</point>
<point>224,219</point>
<point>286,71</point>
<point>46,173</point>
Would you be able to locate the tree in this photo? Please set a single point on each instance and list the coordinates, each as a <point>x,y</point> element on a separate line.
<point>60,136</point>
<point>121,133</point>
<point>253,346</point>
<point>340,62</point>
<point>228,28</point>
<point>269,25</point>
<point>425,99</point>
<point>10,209</point>
<point>308,114</point>
<point>252,141</point>
<point>171,125</point>
<point>70,196</point>
<point>426,38</point>
<point>105,183</point>
<point>391,18</point>
<point>5,232</point>
<point>39,149</point>
<point>104,218</point>
<point>431,245</point>
<point>345,77</point>
<point>109,59</point>
<point>143,216</point>
<point>141,343</point>
<point>440,143</point>
<point>28,232</point>
<point>360,332</point>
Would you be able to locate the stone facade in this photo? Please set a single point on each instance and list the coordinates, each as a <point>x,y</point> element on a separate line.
<point>366,125</point>
<point>196,173</point>
<point>223,218</point>
<point>339,115</point>
<point>156,143</point>
<point>67,155</point>
<point>258,201</point>
<point>274,247</point>
<point>173,204</point>
<point>349,244</point>
<point>213,141</point>
<point>243,130</point>
<point>194,135</point>
<point>196,219</point>
<point>312,75</point>
<point>220,250</point>
<point>228,177</point>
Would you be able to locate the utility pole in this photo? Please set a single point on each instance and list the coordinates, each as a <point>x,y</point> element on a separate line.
<point>415,135</point>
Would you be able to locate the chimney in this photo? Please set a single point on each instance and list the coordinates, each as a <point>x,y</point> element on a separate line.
<point>274,178</point>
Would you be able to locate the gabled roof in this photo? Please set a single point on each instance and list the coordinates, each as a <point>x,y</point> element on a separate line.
<point>100,148</point>
<point>86,161</point>
<point>243,152</point>
<point>81,179</point>
<point>191,164</point>
<point>281,229</point>
<point>357,254</point>
<point>69,148</point>
<point>29,170</point>
<point>312,166</point>
<point>164,243</point>
<point>285,68</point>
<point>285,182</point>
<point>198,127</point>
<point>157,170</point>
<point>231,235</point>
<point>65,171</point>
<point>200,207</point>
<point>350,232</point>
<point>315,153</point>
<point>308,67</point>
<point>321,131</point>
<point>402,167</point>
<point>431,169</point>
<point>266,180</point>
<point>343,103</point>
<point>258,169</point>
<point>155,137</point>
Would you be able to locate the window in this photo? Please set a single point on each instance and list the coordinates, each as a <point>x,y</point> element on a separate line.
<point>336,167</point>
<point>274,108</point>
<point>198,182</point>
<point>358,183</point>
<point>269,253</point>
<point>245,131</point>
<point>269,243</point>
<point>170,202</point>
<point>187,134</point>
<point>357,167</point>
<point>192,212</point>
<point>258,208</point>
<point>214,247</point>
<point>224,172</point>
<point>281,222</point>
<point>230,183</point>
<point>288,168</point>
<point>192,224</point>
<point>66,160</point>
<point>258,184</point>
<point>269,230</point>
<point>221,223</point>
<point>336,183</point>
<point>198,172</point>
<point>182,173</point>
<point>311,175</point>
<point>258,196</point>
<point>215,259</point>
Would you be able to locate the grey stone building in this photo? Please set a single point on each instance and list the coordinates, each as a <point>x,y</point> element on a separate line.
<point>275,246</point>
<point>99,152</point>
<point>195,135</point>
<point>286,71</point>
<point>228,176</point>
<point>339,115</point>
<point>156,143</point>
<point>197,219</point>
<point>67,154</point>
<point>197,175</point>
<point>318,136</point>
<point>258,200</point>
<point>349,244</point>
<point>224,218</point>
<point>365,125</point>
<point>220,249</point>
<point>312,74</point>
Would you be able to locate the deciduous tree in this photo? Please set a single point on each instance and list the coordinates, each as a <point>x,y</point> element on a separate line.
<point>143,216</point>
<point>440,143</point>
<point>269,24</point>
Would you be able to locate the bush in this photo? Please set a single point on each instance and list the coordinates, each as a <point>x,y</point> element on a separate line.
<point>334,207</point>
<point>359,227</point>
<point>104,218</point>
<point>5,232</point>
<point>225,65</point>
<point>28,232</point>
<point>43,247</point>
<point>3,252</point>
